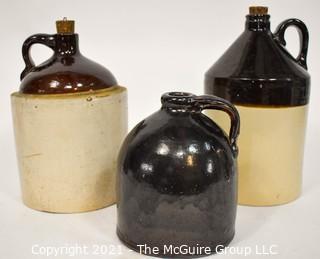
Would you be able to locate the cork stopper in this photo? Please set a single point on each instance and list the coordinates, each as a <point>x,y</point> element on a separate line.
<point>65,26</point>
<point>258,10</point>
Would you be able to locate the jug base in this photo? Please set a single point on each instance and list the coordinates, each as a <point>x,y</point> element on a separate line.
<point>67,147</point>
<point>134,246</point>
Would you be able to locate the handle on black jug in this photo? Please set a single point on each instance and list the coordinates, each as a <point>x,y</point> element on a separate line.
<point>45,39</point>
<point>303,35</point>
<point>216,103</point>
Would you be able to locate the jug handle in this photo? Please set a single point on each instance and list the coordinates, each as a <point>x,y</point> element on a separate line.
<point>303,35</point>
<point>205,102</point>
<point>45,39</point>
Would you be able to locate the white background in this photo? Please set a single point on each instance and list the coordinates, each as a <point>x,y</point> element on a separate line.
<point>151,46</point>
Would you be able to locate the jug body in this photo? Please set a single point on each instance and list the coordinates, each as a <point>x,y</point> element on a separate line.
<point>177,179</point>
<point>270,89</point>
<point>70,117</point>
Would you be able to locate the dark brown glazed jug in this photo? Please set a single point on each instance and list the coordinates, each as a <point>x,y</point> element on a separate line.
<point>177,179</point>
<point>270,89</point>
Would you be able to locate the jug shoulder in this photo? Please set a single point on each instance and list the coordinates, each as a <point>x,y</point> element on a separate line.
<point>67,75</point>
<point>256,55</point>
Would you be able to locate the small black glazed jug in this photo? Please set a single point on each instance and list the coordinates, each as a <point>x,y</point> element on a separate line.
<point>177,179</point>
<point>270,89</point>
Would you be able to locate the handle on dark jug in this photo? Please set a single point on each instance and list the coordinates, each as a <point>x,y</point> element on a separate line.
<point>303,35</point>
<point>44,39</point>
<point>216,103</point>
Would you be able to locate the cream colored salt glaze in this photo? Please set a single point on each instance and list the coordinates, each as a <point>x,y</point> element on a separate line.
<point>271,145</point>
<point>67,147</point>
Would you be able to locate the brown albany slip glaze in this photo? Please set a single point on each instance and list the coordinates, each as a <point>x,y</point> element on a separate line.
<point>67,71</point>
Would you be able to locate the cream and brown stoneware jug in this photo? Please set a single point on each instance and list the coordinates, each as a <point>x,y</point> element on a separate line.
<point>70,117</point>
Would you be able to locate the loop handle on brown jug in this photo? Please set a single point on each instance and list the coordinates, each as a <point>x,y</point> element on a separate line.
<point>215,103</point>
<point>304,39</point>
<point>44,39</point>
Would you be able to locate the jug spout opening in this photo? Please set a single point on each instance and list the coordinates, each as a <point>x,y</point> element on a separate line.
<point>177,98</point>
<point>179,101</point>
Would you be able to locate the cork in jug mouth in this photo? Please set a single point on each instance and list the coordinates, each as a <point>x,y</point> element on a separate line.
<point>258,10</point>
<point>65,26</point>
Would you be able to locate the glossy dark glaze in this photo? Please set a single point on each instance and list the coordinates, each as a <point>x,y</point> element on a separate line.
<point>258,70</point>
<point>67,71</point>
<point>177,179</point>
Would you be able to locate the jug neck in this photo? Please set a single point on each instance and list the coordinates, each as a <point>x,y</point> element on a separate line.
<point>179,102</point>
<point>67,45</point>
<point>257,22</point>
